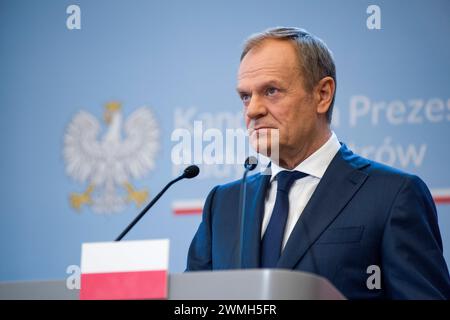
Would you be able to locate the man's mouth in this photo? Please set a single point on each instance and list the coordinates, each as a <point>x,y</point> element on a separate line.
<point>259,129</point>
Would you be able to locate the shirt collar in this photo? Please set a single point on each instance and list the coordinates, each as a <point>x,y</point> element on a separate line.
<point>316,164</point>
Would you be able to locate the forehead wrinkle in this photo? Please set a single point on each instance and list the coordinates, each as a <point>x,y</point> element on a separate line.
<point>256,71</point>
<point>259,77</point>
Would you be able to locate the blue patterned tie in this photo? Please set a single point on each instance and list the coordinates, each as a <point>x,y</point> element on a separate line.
<point>273,237</point>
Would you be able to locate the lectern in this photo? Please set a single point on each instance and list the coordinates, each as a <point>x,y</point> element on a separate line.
<point>249,284</point>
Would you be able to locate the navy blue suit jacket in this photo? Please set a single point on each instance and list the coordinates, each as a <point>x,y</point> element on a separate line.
<point>361,214</point>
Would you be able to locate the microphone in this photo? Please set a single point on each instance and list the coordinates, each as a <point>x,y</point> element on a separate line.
<point>249,165</point>
<point>189,173</point>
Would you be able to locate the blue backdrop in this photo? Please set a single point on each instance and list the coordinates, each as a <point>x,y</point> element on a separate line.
<point>179,58</point>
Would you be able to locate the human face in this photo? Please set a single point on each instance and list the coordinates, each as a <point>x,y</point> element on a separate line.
<point>275,102</point>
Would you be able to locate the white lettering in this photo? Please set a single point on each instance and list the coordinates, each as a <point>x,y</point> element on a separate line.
<point>374,280</point>
<point>73,280</point>
<point>374,20</point>
<point>74,20</point>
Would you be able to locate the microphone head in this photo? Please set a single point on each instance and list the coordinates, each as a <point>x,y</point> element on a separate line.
<point>250,163</point>
<point>191,171</point>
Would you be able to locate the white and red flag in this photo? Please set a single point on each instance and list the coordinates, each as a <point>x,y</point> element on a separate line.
<point>441,196</point>
<point>188,207</point>
<point>124,270</point>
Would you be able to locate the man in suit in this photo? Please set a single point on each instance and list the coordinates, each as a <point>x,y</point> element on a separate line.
<point>321,208</point>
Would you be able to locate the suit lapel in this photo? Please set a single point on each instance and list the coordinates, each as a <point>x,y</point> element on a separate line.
<point>256,191</point>
<point>338,185</point>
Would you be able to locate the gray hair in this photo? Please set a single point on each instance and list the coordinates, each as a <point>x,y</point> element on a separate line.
<point>315,59</point>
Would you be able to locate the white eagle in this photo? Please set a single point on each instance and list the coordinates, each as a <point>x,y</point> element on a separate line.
<point>109,163</point>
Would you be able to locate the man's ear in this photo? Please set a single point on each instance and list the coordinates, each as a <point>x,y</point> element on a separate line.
<point>324,92</point>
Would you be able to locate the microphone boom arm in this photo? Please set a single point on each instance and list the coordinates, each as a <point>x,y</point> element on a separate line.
<point>189,172</point>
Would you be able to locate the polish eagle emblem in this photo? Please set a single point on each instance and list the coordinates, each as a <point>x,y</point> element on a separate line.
<point>106,162</point>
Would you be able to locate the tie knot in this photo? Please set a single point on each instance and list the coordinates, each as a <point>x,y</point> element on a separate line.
<point>285,179</point>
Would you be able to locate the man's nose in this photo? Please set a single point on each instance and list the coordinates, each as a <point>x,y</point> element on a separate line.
<point>256,108</point>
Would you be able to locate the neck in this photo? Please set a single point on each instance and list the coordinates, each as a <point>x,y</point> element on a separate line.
<point>291,158</point>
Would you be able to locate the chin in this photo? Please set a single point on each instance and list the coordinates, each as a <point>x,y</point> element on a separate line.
<point>265,143</point>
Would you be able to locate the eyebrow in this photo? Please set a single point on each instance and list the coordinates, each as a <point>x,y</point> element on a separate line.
<point>263,85</point>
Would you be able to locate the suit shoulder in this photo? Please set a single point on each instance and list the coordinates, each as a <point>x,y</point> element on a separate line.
<point>379,170</point>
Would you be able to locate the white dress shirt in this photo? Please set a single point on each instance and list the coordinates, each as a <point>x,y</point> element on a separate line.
<point>302,189</point>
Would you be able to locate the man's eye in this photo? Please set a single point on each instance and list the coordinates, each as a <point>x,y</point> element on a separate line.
<point>271,91</point>
<point>245,98</point>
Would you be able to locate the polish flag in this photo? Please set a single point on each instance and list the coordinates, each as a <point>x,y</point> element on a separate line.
<point>441,196</point>
<point>124,270</point>
<point>183,207</point>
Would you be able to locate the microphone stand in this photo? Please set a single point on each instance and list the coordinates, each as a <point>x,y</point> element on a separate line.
<point>250,164</point>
